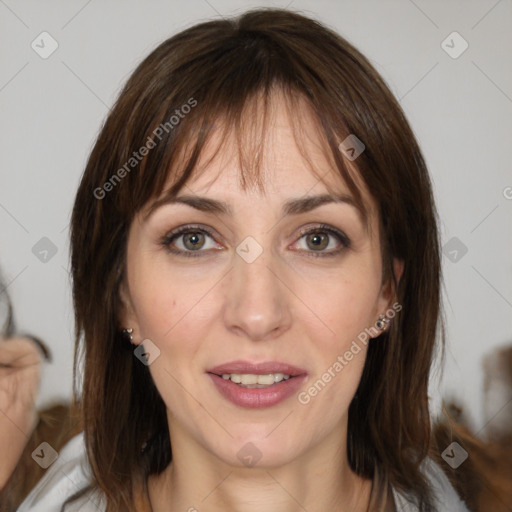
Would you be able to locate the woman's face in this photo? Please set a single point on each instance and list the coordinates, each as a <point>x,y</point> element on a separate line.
<point>278,283</point>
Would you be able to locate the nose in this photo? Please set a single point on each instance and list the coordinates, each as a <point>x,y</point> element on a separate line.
<point>257,301</point>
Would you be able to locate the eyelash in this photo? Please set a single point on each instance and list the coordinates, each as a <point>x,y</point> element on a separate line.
<point>322,228</point>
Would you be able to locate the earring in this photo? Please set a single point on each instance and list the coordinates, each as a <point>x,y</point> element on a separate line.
<point>382,323</point>
<point>128,334</point>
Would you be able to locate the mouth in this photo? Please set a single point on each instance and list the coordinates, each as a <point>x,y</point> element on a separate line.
<point>257,384</point>
<point>251,380</point>
<point>249,374</point>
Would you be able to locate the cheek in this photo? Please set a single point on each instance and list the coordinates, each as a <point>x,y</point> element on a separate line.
<point>327,396</point>
<point>174,318</point>
<point>174,311</point>
<point>343,312</point>
<point>342,299</point>
<point>158,315</point>
<point>341,309</point>
<point>164,300</point>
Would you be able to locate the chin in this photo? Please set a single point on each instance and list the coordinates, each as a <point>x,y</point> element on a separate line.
<point>258,449</point>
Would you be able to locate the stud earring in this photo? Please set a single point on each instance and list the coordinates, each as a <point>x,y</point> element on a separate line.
<point>128,334</point>
<point>382,323</point>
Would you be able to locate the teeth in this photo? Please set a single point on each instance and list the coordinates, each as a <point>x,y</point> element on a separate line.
<point>250,380</point>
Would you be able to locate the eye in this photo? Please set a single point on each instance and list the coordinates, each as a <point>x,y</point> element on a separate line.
<point>323,240</point>
<point>189,241</point>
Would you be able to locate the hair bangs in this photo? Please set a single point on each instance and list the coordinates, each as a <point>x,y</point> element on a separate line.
<point>233,103</point>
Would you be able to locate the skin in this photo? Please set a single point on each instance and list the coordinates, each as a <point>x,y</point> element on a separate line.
<point>285,306</point>
<point>20,369</point>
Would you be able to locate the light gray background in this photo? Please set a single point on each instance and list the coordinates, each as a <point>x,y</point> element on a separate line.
<point>460,109</point>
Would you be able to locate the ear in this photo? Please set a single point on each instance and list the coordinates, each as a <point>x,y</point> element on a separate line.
<point>388,290</point>
<point>126,315</point>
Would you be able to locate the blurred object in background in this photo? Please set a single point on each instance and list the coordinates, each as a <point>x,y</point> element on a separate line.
<point>497,404</point>
<point>20,372</point>
<point>6,316</point>
<point>22,427</point>
<point>484,478</point>
<point>57,424</point>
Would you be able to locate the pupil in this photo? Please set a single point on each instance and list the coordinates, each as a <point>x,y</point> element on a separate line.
<point>318,241</point>
<point>193,241</point>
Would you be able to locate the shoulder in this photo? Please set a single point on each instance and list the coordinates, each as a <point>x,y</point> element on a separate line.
<point>65,477</point>
<point>445,495</point>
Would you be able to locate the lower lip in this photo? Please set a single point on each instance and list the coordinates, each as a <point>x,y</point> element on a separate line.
<point>257,398</point>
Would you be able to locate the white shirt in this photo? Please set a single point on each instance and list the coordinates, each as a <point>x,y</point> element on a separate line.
<point>70,473</point>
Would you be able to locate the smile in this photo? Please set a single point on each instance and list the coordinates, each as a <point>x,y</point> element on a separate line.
<point>250,380</point>
<point>257,385</point>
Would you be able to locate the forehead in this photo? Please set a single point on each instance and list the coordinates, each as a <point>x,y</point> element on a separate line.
<point>281,149</point>
<point>275,147</point>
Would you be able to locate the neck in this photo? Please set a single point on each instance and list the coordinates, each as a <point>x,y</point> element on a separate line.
<point>318,480</point>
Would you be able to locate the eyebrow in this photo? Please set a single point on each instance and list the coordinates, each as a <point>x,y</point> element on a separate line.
<point>291,207</point>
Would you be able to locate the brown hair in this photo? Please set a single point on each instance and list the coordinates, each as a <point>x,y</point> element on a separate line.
<point>217,68</point>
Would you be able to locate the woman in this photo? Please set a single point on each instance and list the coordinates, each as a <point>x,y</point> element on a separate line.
<point>256,274</point>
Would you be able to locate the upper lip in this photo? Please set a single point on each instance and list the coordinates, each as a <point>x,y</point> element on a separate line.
<point>262,368</point>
